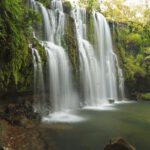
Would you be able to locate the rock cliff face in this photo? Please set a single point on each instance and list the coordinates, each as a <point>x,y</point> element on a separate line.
<point>71,44</point>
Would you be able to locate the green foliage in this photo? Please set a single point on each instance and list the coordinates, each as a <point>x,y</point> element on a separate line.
<point>90,28</point>
<point>90,4</point>
<point>70,44</point>
<point>133,42</point>
<point>146,96</point>
<point>15,26</point>
<point>133,50</point>
<point>118,11</point>
<point>46,3</point>
<point>67,7</point>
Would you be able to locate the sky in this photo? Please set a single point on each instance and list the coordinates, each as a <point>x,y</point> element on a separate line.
<point>128,2</point>
<point>137,2</point>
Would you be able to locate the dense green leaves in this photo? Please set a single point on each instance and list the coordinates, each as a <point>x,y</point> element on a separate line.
<point>133,42</point>
<point>15,29</point>
<point>132,46</point>
<point>146,96</point>
<point>46,3</point>
<point>90,4</point>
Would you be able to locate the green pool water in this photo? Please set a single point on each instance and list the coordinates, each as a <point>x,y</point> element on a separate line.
<point>130,121</point>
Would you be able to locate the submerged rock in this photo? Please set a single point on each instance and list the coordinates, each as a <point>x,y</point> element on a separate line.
<point>119,144</point>
<point>111,101</point>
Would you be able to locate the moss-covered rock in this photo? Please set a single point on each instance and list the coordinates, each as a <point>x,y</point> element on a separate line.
<point>90,27</point>
<point>19,79</point>
<point>70,43</point>
<point>16,68</point>
<point>67,7</point>
<point>133,56</point>
<point>46,3</point>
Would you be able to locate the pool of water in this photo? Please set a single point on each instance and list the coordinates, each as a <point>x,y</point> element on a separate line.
<point>97,126</point>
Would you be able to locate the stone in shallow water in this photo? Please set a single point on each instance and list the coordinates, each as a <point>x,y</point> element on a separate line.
<point>111,101</point>
<point>119,144</point>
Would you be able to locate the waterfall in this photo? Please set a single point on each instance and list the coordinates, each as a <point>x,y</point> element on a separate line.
<point>39,88</point>
<point>99,69</point>
<point>106,58</point>
<point>89,68</point>
<point>59,88</point>
<point>32,4</point>
<point>59,76</point>
<point>113,26</point>
<point>100,75</point>
<point>109,66</point>
<point>62,94</point>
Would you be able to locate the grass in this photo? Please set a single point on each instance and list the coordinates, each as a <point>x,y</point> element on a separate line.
<point>146,96</point>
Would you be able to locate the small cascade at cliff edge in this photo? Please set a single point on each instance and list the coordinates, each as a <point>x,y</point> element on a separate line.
<point>39,87</point>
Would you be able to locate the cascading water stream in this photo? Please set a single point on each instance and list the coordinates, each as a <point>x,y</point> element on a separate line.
<point>99,67</point>
<point>39,87</point>
<point>59,88</point>
<point>113,26</point>
<point>60,82</point>
<point>109,66</point>
<point>106,58</point>
<point>89,69</point>
<point>101,77</point>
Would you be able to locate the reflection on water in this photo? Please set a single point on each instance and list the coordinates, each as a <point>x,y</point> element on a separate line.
<point>129,120</point>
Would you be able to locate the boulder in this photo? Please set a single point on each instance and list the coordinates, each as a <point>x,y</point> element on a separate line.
<point>67,7</point>
<point>111,101</point>
<point>119,144</point>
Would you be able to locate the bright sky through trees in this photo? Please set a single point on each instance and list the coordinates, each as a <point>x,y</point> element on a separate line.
<point>128,2</point>
<point>137,2</point>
